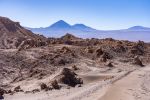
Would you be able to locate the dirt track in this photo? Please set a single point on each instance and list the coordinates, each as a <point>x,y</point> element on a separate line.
<point>131,87</point>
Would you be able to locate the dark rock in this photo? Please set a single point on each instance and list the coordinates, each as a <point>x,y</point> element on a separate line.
<point>99,52</point>
<point>28,92</point>
<point>55,85</point>
<point>78,85</point>
<point>9,91</point>
<point>137,61</point>
<point>2,91</point>
<point>69,77</point>
<point>1,97</point>
<point>35,90</point>
<point>104,57</point>
<point>89,50</point>
<point>109,64</point>
<point>18,89</point>
<point>74,67</point>
<point>43,86</point>
<point>65,50</point>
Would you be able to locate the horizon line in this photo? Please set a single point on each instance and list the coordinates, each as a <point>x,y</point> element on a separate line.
<point>85,25</point>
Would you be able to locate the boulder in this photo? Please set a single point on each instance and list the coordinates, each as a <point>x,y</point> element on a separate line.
<point>18,89</point>
<point>1,97</point>
<point>109,64</point>
<point>55,85</point>
<point>65,50</point>
<point>74,67</point>
<point>104,57</point>
<point>43,86</point>
<point>9,91</point>
<point>28,43</point>
<point>89,50</point>
<point>35,90</point>
<point>99,52</point>
<point>137,61</point>
<point>2,91</point>
<point>67,76</point>
<point>138,48</point>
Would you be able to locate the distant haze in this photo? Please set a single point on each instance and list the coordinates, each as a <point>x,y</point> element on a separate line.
<point>61,27</point>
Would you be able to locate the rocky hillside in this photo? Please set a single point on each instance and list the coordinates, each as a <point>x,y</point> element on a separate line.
<point>12,34</point>
<point>68,50</point>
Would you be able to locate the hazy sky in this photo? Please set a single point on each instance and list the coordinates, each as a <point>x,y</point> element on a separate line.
<point>99,14</point>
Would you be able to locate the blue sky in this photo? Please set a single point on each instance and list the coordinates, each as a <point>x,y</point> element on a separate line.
<point>99,14</point>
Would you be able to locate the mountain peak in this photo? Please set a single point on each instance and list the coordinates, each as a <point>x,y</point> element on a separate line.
<point>61,21</point>
<point>81,26</point>
<point>138,28</point>
<point>60,24</point>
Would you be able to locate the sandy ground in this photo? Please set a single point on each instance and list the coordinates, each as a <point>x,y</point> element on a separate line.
<point>126,85</point>
<point>132,87</point>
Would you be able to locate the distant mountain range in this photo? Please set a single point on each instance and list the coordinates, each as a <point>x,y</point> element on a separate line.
<point>61,27</point>
<point>139,28</point>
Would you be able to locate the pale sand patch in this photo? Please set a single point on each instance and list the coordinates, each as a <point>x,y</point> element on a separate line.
<point>127,88</point>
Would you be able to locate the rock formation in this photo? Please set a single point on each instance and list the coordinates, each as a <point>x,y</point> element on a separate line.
<point>12,34</point>
<point>67,76</point>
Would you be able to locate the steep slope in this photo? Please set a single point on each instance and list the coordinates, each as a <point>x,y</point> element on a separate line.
<point>12,33</point>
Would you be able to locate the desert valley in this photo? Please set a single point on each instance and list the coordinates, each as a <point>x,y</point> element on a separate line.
<point>35,67</point>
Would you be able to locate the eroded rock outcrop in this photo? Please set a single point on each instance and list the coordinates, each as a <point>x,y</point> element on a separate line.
<point>67,76</point>
<point>138,61</point>
<point>2,91</point>
<point>12,34</point>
